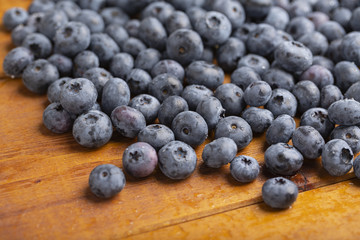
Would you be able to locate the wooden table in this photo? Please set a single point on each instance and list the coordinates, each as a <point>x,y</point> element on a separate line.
<point>44,190</point>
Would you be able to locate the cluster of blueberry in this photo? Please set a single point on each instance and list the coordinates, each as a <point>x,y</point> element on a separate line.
<point>103,70</point>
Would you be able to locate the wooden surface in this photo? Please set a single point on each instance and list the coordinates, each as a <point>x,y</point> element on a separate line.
<point>44,188</point>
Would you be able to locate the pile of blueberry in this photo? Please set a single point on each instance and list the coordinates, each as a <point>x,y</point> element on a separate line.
<point>145,69</point>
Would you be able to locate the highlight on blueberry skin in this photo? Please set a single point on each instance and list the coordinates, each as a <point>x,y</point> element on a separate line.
<point>106,180</point>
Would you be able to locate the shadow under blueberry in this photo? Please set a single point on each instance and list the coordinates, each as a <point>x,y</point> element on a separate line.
<point>269,209</point>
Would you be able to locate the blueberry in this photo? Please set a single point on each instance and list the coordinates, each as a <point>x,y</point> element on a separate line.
<point>106,181</point>
<point>355,19</point>
<point>159,10</point>
<point>38,75</point>
<point>38,44</point>
<point>293,56</point>
<point>283,159</point>
<point>244,76</point>
<point>84,61</point>
<point>56,119</point>
<point>256,62</point>
<point>51,22</point>
<point>278,78</point>
<point>78,95</point>
<point>279,192</point>
<point>14,17</point>
<point>138,81</point>
<point>235,128</point>
<point>219,152</point>
<point>139,159</point>
<point>128,121</point>
<point>117,33</point>
<point>186,4</point>
<point>195,13</point>
<point>70,8</point>
<point>257,9</point>
<point>92,129</point>
<point>356,166</point>
<point>168,66</point>
<point>132,28</point>
<point>92,20</point>
<point>326,6</point>
<point>99,77</point>
<point>353,92</point>
<point>345,112</point>
<point>19,33</point>
<point>307,95</point>
<point>121,65</point>
<point>263,40</point>
<point>332,30</point>
<point>94,5</point>
<point>71,39</point>
<point>114,15</point>
<point>349,4</point>
<point>104,47</point>
<point>211,110</point>
<point>351,135</point>
<point>277,17</point>
<point>346,74</point>
<point>157,135</point>
<point>334,51</point>
<point>41,6</point>
<point>299,26</point>
<point>115,93</point>
<point>308,141</point>
<point>318,119</point>
<point>184,46</point>
<point>242,32</point>
<point>282,102</point>
<point>147,105</point>
<point>259,119</point>
<point>244,168</point>
<point>280,130</point>
<point>214,27</point>
<point>164,86</point>
<point>323,61</point>
<point>130,7</point>
<point>177,20</point>
<point>350,47</point>
<point>194,94</point>
<point>337,157</point>
<point>229,54</point>
<point>171,107</point>
<point>206,74</point>
<point>316,42</point>
<point>177,160</point>
<point>190,127</point>
<point>231,98</point>
<point>147,59</point>
<point>342,16</point>
<point>62,63</point>
<point>257,94</point>
<point>133,46</point>
<point>232,9</point>
<point>329,94</point>
<point>54,90</point>
<point>16,61</point>
<point>153,33</point>
<point>34,20</point>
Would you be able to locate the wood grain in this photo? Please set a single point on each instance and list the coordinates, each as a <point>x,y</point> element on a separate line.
<point>44,179</point>
<point>325,213</point>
